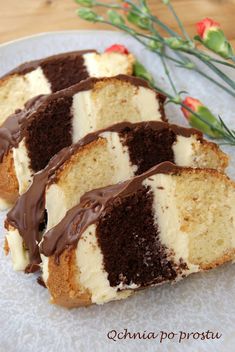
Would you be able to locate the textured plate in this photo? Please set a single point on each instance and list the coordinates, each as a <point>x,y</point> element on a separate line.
<point>200,303</point>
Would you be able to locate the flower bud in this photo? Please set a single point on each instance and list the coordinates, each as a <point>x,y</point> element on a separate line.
<point>155,45</point>
<point>138,21</point>
<point>206,115</point>
<point>88,15</point>
<point>213,38</point>
<point>117,48</point>
<point>115,18</point>
<point>126,6</point>
<point>176,43</point>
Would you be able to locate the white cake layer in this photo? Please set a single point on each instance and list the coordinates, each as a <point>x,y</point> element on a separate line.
<point>184,151</point>
<point>16,90</point>
<point>122,169</point>
<point>107,64</point>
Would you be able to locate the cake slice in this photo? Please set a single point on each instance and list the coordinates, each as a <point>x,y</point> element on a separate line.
<point>158,227</point>
<point>49,123</point>
<point>55,73</point>
<point>100,159</point>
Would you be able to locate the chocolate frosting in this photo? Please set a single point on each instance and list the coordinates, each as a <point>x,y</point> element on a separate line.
<point>15,127</point>
<point>92,206</point>
<point>33,65</point>
<point>29,210</point>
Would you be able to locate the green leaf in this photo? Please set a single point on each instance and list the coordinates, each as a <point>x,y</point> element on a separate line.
<point>141,72</point>
<point>88,15</point>
<point>115,18</point>
<point>86,3</point>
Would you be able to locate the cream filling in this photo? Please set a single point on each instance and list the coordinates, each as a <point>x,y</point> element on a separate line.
<point>93,110</point>
<point>23,171</point>
<point>37,83</point>
<point>84,115</point>
<point>183,150</point>
<point>146,103</point>
<point>44,267</point>
<point>19,255</point>
<point>120,156</point>
<point>55,205</point>
<point>107,64</point>
<point>167,218</point>
<point>92,275</point>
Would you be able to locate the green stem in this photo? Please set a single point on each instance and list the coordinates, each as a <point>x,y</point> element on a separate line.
<point>136,35</point>
<point>184,65</point>
<point>220,73</point>
<point>109,6</point>
<point>168,75</point>
<point>203,74</point>
<point>194,52</point>
<point>153,18</point>
<point>222,62</point>
<point>180,24</point>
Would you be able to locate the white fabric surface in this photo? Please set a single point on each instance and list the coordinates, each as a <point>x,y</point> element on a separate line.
<point>201,302</point>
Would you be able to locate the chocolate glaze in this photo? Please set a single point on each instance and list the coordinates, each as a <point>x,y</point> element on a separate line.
<point>29,210</point>
<point>15,127</point>
<point>45,62</point>
<point>93,206</point>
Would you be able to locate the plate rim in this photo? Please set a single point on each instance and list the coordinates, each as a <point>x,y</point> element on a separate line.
<point>67,32</point>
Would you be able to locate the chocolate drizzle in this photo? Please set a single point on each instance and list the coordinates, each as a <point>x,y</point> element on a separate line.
<point>52,62</point>
<point>29,210</point>
<point>92,206</point>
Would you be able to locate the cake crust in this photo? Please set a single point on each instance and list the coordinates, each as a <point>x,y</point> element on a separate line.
<point>9,187</point>
<point>66,290</point>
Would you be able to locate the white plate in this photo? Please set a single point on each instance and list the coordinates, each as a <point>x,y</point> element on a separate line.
<point>200,303</point>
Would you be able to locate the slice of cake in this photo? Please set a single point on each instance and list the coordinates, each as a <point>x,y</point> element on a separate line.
<point>55,73</point>
<point>29,138</point>
<point>100,159</point>
<point>159,227</point>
